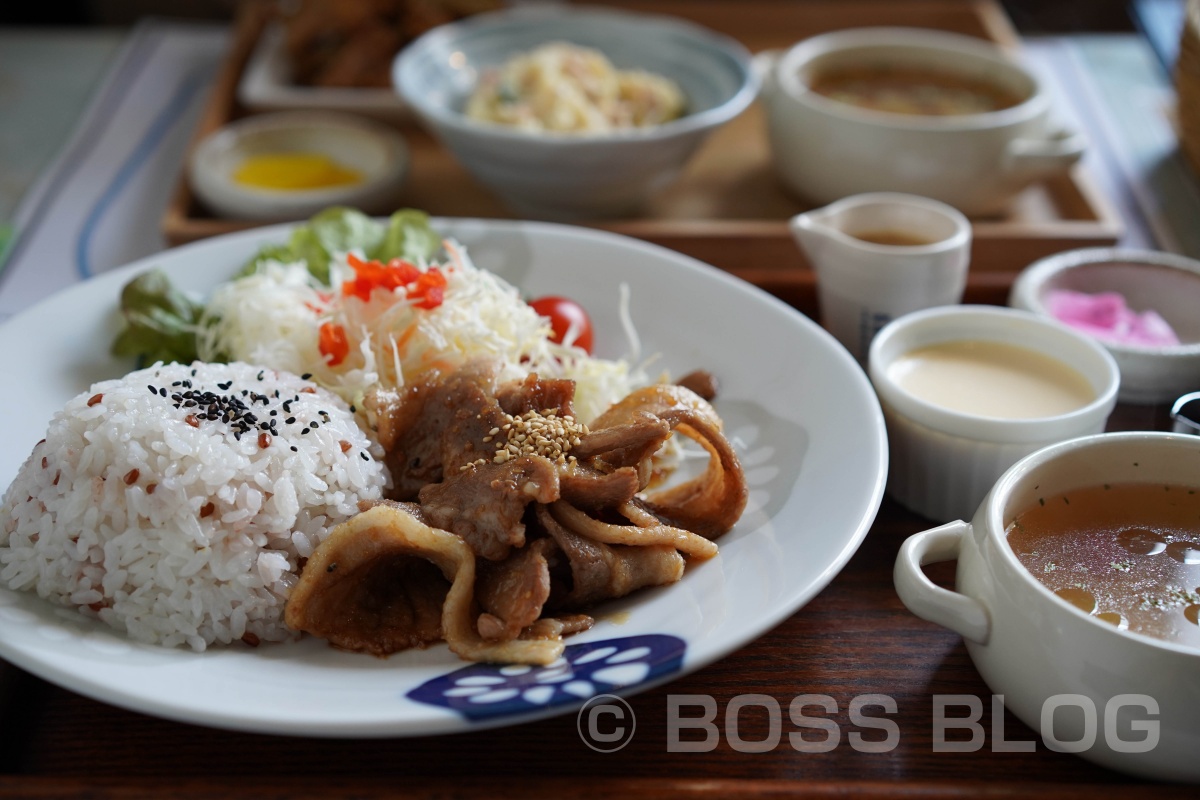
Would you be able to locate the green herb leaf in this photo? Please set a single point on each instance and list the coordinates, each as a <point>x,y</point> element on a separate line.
<point>340,230</point>
<point>268,252</point>
<point>409,236</point>
<point>337,230</point>
<point>160,321</point>
<point>306,246</point>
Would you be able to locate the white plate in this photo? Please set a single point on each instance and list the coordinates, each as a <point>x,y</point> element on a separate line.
<point>797,406</point>
<point>266,85</point>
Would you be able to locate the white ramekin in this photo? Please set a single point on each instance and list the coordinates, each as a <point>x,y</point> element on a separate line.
<point>943,462</point>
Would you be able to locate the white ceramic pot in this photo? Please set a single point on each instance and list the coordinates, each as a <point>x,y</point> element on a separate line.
<point>825,150</point>
<point>1044,654</point>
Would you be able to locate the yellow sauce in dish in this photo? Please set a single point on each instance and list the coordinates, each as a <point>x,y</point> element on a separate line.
<point>992,379</point>
<point>294,172</point>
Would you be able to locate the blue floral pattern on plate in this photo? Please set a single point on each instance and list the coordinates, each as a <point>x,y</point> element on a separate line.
<point>483,691</point>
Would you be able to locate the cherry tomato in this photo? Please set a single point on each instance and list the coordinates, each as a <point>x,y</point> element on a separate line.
<point>564,313</point>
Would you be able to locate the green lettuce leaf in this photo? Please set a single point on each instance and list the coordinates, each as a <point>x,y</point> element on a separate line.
<point>334,230</point>
<point>339,230</point>
<point>409,236</point>
<point>306,246</point>
<point>160,322</point>
<point>268,252</point>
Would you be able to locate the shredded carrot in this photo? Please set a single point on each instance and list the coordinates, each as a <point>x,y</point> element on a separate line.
<point>405,337</point>
<point>423,288</point>
<point>333,344</point>
<point>452,250</point>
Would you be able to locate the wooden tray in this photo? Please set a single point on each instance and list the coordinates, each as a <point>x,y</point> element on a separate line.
<point>728,209</point>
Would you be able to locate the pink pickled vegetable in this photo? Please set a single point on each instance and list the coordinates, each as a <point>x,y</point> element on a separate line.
<point>1109,318</point>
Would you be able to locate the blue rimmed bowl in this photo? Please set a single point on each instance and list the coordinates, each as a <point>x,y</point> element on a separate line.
<point>574,176</point>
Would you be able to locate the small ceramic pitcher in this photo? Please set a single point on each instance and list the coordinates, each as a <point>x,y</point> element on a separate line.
<point>879,256</point>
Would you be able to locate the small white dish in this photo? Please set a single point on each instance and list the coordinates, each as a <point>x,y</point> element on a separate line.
<point>1040,652</point>
<point>945,461</point>
<point>1166,283</point>
<point>267,85</point>
<point>370,148</point>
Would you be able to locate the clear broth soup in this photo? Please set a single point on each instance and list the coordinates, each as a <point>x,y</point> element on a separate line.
<point>911,90</point>
<point>1129,554</point>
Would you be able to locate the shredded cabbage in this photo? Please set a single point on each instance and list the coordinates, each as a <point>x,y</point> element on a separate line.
<point>273,317</point>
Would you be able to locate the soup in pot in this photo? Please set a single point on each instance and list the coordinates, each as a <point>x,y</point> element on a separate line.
<point>1128,554</point>
<point>912,90</point>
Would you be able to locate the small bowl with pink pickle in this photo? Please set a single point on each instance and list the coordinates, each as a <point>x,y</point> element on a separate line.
<point>1142,305</point>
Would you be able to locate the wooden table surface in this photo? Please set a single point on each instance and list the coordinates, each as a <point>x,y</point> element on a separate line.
<point>855,638</point>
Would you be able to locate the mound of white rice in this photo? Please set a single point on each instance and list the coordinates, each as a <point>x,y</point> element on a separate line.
<point>178,503</point>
